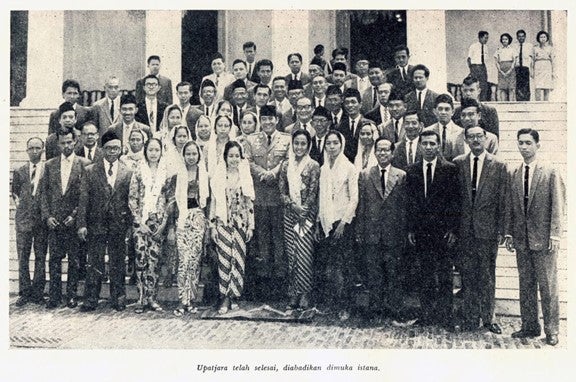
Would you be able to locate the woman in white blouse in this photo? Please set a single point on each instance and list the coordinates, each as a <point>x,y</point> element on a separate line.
<point>337,207</point>
<point>505,60</point>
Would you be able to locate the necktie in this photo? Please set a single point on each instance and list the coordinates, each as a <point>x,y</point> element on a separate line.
<point>269,140</point>
<point>404,74</point>
<point>474,178</point>
<point>385,115</point>
<point>152,121</point>
<point>520,55</point>
<point>319,145</point>
<point>110,173</point>
<point>249,70</point>
<point>217,77</point>
<point>383,180</point>
<point>419,100</point>
<point>396,131</point>
<point>352,126</point>
<point>410,153</point>
<point>428,178</point>
<point>374,96</point>
<point>335,120</point>
<point>112,110</point>
<point>443,138</point>
<point>207,111</point>
<point>482,53</point>
<point>32,178</point>
<point>526,186</point>
<point>304,127</point>
<point>90,155</point>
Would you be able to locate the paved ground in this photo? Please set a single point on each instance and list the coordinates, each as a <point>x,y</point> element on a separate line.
<point>33,326</point>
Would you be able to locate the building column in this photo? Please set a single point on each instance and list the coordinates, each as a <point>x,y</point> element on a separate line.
<point>164,38</point>
<point>290,34</point>
<point>45,65</point>
<point>426,39</point>
<point>558,37</point>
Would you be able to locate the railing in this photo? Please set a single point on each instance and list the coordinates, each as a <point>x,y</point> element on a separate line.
<point>90,96</point>
<point>455,90</point>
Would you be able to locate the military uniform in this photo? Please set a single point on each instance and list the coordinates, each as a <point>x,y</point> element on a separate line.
<point>267,266</point>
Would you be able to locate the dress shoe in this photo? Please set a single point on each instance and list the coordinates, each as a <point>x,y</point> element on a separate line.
<point>526,334</point>
<point>494,328</point>
<point>304,302</point>
<point>22,300</point>
<point>37,300</point>
<point>293,304</point>
<point>72,303</point>
<point>87,307</point>
<point>51,304</point>
<point>552,339</point>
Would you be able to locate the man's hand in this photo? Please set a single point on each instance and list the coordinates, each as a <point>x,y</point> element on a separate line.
<point>68,221</point>
<point>451,239</point>
<point>412,238</point>
<point>52,223</point>
<point>82,233</point>
<point>509,241</point>
<point>249,234</point>
<point>339,231</point>
<point>553,245</point>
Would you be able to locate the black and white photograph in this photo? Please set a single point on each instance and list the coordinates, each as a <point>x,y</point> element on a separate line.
<point>298,193</point>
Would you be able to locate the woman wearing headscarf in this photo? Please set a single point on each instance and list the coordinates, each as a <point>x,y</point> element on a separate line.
<point>172,117</point>
<point>203,130</point>
<point>365,157</point>
<point>135,155</point>
<point>191,196</point>
<point>215,148</point>
<point>248,126</point>
<point>231,222</point>
<point>505,58</point>
<point>337,207</point>
<point>298,182</point>
<point>151,200</point>
<point>225,108</point>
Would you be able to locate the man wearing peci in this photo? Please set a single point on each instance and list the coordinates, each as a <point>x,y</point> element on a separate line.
<point>103,222</point>
<point>483,179</point>
<point>433,221</point>
<point>534,225</point>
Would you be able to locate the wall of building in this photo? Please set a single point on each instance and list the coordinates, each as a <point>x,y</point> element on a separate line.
<point>117,41</point>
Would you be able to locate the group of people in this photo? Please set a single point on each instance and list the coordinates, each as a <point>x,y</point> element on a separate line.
<point>304,193</point>
<point>517,64</point>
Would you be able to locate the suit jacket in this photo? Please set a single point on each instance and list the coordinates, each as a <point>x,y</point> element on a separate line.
<point>304,77</point>
<point>383,215</point>
<point>439,212</point>
<point>299,126</point>
<point>238,113</point>
<point>98,153</point>
<point>52,149</point>
<point>83,114</point>
<point>102,207</point>
<point>488,118</point>
<point>483,216</point>
<point>458,146</point>
<point>374,115</point>
<point>53,202</point>
<point>546,207</point>
<point>389,130</point>
<point>317,153</point>
<point>102,117</point>
<point>402,85</point>
<point>400,158</point>
<point>164,94</point>
<point>143,117</point>
<point>28,210</point>
<point>351,141</point>
<point>264,157</point>
<point>453,131</point>
<point>221,82</point>
<point>368,100</point>
<point>228,89</point>
<point>426,113</point>
<point>118,128</point>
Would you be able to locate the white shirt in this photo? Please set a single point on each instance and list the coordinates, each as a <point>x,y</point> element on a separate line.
<point>526,54</point>
<point>532,167</point>
<point>37,175</point>
<point>481,158</point>
<point>185,112</point>
<point>338,116</point>
<point>403,71</point>
<point>423,91</point>
<point>319,101</point>
<point>363,84</point>
<point>65,169</point>
<point>414,144</point>
<point>282,106</point>
<point>425,168</point>
<point>88,150</point>
<point>151,107</point>
<point>384,114</point>
<point>475,53</point>
<point>296,76</point>
<point>111,179</point>
<point>127,129</point>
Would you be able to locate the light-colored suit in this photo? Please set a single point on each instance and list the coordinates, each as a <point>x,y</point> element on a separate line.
<point>221,82</point>
<point>531,231</point>
<point>457,145</point>
<point>103,119</point>
<point>450,149</point>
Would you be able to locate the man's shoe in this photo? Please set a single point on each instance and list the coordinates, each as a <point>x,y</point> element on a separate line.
<point>526,334</point>
<point>51,304</point>
<point>22,300</point>
<point>72,303</point>
<point>494,328</point>
<point>37,300</point>
<point>87,307</point>
<point>120,305</point>
<point>552,339</point>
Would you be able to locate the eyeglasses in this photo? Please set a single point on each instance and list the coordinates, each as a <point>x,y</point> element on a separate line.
<point>303,107</point>
<point>112,148</point>
<point>477,137</point>
<point>319,121</point>
<point>151,84</point>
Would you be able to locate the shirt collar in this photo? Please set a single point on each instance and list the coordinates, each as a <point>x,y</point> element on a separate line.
<point>387,168</point>
<point>481,157</point>
<point>70,159</point>
<point>128,126</point>
<point>107,164</point>
<point>425,162</point>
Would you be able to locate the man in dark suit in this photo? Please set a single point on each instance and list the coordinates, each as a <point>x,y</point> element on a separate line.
<point>380,114</point>
<point>321,123</point>
<point>71,93</point>
<point>30,231</point>
<point>165,84</point>
<point>477,60</point>
<point>433,220</point>
<point>240,71</point>
<point>107,110</point>
<point>249,49</point>
<point>334,102</point>
<point>264,70</point>
<point>103,222</point>
<point>190,114</point>
<point>304,112</point>
<point>60,197</point>
<point>239,97</point>
<point>489,120</point>
<point>382,234</point>
<point>370,95</point>
<point>401,76</point>
<point>535,213</point>
<point>350,125</point>
<point>408,150</point>
<point>122,128</point>
<point>421,98</point>
<point>89,138</point>
<point>483,179</point>
<point>281,102</point>
<point>394,127</point>
<point>151,109</point>
<point>296,73</point>
<point>262,94</point>
<point>523,68</point>
<point>67,121</point>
